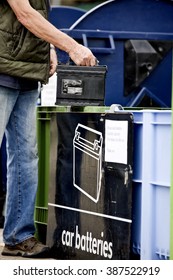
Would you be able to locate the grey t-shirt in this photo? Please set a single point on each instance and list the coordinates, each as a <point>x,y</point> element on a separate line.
<point>17,83</point>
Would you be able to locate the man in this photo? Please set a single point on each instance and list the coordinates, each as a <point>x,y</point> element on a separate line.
<point>27,56</point>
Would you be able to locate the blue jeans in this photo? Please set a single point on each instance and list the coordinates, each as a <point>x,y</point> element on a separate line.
<point>18,121</point>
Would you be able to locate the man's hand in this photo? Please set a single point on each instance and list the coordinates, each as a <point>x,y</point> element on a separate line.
<point>82,56</point>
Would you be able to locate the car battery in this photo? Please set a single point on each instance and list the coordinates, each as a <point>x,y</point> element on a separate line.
<point>80,85</point>
<point>87,144</point>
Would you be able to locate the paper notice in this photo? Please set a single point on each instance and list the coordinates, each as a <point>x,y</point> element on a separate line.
<point>116,133</point>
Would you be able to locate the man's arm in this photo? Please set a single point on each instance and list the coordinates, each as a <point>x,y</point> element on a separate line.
<point>43,29</point>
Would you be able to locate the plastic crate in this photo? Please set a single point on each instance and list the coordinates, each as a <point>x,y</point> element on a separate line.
<point>43,136</point>
<point>41,214</point>
<point>151,184</point>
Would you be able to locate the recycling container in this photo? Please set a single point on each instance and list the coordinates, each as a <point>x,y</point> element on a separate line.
<point>90,185</point>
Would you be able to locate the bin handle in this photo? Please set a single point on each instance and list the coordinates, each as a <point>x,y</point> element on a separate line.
<point>110,49</point>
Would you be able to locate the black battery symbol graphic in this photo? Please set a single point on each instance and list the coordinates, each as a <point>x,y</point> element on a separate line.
<point>87,161</point>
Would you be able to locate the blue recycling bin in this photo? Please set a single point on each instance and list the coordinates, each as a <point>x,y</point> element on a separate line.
<point>133,38</point>
<point>64,16</point>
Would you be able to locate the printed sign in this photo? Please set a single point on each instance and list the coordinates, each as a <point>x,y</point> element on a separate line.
<point>116,133</point>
